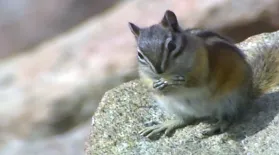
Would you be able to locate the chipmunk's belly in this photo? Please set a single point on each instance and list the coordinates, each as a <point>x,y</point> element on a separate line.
<point>184,105</point>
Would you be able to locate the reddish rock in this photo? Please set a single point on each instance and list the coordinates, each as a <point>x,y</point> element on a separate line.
<point>56,86</point>
<point>25,23</point>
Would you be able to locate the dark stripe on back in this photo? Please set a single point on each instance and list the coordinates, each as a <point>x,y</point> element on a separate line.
<point>224,44</point>
<point>207,34</point>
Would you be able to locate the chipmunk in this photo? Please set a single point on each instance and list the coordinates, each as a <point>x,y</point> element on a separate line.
<point>197,73</point>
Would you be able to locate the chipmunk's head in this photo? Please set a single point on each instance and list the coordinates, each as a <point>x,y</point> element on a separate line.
<point>163,49</point>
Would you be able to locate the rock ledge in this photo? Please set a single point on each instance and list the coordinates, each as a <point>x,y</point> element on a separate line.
<point>125,110</point>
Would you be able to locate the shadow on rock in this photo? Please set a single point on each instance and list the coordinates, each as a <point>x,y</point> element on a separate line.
<point>260,116</point>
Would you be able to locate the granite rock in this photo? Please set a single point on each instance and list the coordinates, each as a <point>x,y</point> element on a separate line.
<point>126,109</point>
<point>56,86</point>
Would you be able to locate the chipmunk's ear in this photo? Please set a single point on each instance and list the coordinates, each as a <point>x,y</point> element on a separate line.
<point>170,21</point>
<point>134,29</point>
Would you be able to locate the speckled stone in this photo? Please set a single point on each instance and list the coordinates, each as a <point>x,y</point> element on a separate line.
<point>125,110</point>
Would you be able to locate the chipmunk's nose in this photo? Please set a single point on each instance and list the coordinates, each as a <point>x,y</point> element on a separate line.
<point>158,69</point>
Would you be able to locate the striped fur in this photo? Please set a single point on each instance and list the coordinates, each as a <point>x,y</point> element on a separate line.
<point>219,82</point>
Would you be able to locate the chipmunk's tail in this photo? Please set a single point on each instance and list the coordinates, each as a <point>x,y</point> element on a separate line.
<point>265,67</point>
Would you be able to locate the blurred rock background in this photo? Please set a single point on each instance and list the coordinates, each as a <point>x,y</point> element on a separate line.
<point>59,57</point>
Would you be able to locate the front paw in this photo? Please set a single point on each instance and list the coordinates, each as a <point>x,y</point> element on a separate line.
<point>160,84</point>
<point>177,80</point>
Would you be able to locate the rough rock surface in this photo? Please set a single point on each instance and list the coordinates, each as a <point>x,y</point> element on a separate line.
<point>125,110</point>
<point>49,90</point>
<point>56,85</point>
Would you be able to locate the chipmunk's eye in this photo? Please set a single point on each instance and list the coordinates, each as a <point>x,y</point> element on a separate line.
<point>141,57</point>
<point>171,46</point>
